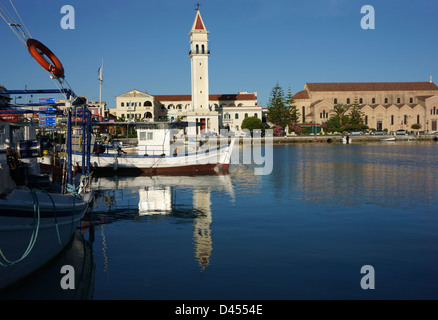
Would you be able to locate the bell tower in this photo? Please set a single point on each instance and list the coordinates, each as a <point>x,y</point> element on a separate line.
<point>198,55</point>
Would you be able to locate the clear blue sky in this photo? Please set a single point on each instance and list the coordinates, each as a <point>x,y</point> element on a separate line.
<point>254,44</point>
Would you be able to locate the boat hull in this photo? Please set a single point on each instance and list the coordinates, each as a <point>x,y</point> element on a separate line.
<point>210,161</point>
<point>34,232</point>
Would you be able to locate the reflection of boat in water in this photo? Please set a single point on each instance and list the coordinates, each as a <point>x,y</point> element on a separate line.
<point>158,195</point>
<point>45,283</point>
<point>161,149</point>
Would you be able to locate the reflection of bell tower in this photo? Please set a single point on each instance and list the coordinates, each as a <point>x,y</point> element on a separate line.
<point>201,227</point>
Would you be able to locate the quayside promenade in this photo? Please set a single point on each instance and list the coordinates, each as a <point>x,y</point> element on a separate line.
<point>354,139</point>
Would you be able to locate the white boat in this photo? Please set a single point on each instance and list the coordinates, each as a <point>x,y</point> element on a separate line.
<point>388,139</point>
<point>346,140</point>
<point>34,227</point>
<point>161,149</point>
<point>37,220</point>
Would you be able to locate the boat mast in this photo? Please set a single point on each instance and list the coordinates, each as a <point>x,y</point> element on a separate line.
<point>100,72</point>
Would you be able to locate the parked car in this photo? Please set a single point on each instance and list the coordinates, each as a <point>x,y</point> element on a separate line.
<point>378,133</point>
<point>401,132</point>
<point>356,133</point>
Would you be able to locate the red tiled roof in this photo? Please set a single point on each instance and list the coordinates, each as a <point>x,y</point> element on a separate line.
<point>301,95</point>
<point>423,97</point>
<point>372,86</point>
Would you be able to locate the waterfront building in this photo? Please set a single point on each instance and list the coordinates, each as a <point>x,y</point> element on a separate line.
<point>215,111</point>
<point>4,98</point>
<point>386,105</point>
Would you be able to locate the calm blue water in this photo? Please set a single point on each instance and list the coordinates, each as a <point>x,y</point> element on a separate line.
<point>302,232</point>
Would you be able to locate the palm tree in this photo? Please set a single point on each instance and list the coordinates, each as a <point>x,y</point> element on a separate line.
<point>340,110</point>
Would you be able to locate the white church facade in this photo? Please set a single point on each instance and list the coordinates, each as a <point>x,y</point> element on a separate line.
<point>214,111</point>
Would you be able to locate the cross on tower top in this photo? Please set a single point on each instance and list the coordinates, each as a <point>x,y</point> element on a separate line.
<point>197,6</point>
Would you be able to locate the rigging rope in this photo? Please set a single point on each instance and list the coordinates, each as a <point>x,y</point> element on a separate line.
<point>20,18</point>
<point>23,35</point>
<point>14,25</point>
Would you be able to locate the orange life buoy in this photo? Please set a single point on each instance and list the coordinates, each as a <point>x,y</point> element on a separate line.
<point>38,51</point>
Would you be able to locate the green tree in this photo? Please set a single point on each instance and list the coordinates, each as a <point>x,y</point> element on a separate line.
<point>356,116</point>
<point>278,112</point>
<point>293,111</point>
<point>252,123</point>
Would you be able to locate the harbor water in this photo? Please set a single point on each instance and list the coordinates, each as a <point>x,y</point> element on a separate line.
<point>304,231</point>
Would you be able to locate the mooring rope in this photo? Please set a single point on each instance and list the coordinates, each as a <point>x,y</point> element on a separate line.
<point>36,223</point>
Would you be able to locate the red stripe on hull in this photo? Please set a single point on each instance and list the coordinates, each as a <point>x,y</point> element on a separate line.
<point>191,170</point>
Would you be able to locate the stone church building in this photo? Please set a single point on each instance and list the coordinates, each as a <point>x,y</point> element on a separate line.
<point>386,105</point>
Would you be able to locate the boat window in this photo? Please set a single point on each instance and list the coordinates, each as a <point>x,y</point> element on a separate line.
<point>150,135</point>
<point>142,136</point>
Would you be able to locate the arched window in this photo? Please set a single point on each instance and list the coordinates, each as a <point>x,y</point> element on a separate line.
<point>335,101</point>
<point>197,48</point>
<point>147,104</point>
<point>122,104</point>
<point>148,115</point>
<point>203,49</point>
<point>360,100</point>
<point>411,100</point>
<point>348,100</point>
<point>373,100</point>
<point>236,116</point>
<point>227,116</point>
<point>256,115</point>
<point>246,115</point>
<point>398,100</point>
<point>386,100</point>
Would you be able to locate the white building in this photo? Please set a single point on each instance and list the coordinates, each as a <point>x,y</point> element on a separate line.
<point>215,111</point>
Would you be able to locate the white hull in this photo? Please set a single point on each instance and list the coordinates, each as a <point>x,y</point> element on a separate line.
<point>209,160</point>
<point>29,237</point>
